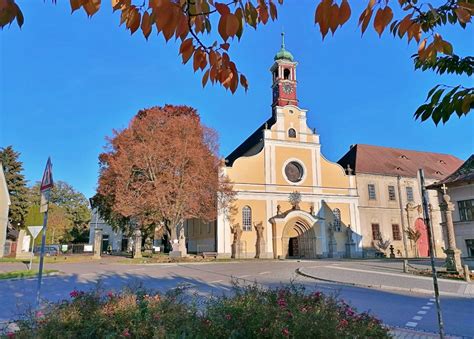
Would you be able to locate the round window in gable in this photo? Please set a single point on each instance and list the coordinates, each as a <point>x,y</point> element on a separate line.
<point>294,171</point>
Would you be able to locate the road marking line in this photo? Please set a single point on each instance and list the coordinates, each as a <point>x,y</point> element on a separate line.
<point>266,272</point>
<point>432,299</point>
<point>216,281</point>
<point>429,303</point>
<point>425,307</point>
<point>244,276</point>
<point>386,273</point>
<point>417,317</point>
<point>411,324</point>
<point>421,312</point>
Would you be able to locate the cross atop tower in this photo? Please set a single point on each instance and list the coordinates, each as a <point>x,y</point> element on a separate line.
<point>444,188</point>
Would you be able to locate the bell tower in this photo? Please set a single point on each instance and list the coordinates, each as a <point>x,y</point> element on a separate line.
<point>284,77</point>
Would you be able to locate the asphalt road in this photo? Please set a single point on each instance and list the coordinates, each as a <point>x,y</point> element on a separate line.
<point>394,308</point>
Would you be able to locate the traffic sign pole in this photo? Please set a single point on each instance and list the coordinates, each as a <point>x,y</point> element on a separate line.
<point>40,269</point>
<point>34,231</point>
<point>45,190</point>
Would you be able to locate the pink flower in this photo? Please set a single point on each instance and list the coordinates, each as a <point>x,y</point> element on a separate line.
<point>228,316</point>
<point>126,333</point>
<point>343,323</point>
<point>281,302</point>
<point>317,294</point>
<point>74,294</point>
<point>110,294</point>
<point>39,314</point>
<point>285,332</point>
<point>11,335</point>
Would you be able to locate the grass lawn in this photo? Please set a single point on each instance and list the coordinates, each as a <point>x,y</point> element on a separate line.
<point>24,274</point>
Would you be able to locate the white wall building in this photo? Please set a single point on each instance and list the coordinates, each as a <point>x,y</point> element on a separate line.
<point>4,208</point>
<point>460,188</point>
<point>111,237</point>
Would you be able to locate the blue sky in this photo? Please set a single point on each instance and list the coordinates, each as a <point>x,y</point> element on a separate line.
<point>67,81</point>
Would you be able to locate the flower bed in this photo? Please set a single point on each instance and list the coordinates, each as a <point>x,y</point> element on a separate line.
<point>250,312</point>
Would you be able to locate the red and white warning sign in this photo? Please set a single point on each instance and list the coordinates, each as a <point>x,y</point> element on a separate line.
<point>46,185</point>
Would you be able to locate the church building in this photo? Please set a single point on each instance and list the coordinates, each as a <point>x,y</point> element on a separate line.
<point>290,200</point>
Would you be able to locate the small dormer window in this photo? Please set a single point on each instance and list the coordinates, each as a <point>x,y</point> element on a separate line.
<point>403,156</point>
<point>442,162</point>
<point>286,74</point>
<point>291,133</point>
<point>399,168</point>
<point>439,173</point>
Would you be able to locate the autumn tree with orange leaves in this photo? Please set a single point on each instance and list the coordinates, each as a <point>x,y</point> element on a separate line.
<point>207,28</point>
<point>163,169</point>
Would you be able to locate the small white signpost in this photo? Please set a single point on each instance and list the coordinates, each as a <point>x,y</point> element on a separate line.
<point>34,231</point>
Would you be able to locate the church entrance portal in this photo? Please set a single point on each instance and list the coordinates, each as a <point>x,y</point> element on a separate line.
<point>293,247</point>
<point>298,240</point>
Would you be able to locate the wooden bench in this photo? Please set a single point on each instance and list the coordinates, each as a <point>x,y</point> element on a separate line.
<point>209,255</point>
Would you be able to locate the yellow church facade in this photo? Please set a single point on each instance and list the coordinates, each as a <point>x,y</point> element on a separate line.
<point>290,200</point>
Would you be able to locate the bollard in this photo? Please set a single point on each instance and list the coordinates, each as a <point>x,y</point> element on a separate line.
<point>467,273</point>
<point>405,266</point>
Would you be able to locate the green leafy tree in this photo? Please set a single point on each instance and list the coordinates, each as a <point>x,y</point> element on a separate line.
<point>70,205</point>
<point>16,184</point>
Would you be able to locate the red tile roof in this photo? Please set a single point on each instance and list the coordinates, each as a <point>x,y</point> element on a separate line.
<point>463,175</point>
<point>394,161</point>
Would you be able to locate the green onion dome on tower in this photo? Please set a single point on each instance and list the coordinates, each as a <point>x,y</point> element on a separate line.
<point>283,54</point>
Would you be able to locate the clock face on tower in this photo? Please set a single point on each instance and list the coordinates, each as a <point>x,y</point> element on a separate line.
<point>287,88</point>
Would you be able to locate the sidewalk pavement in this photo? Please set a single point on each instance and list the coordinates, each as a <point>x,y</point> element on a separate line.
<point>388,280</point>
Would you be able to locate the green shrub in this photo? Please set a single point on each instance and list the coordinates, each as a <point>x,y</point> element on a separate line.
<point>249,312</point>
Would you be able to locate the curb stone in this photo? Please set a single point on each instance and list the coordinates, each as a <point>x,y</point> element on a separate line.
<point>405,333</point>
<point>383,287</point>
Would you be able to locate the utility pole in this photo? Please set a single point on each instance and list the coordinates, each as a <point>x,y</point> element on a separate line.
<point>426,217</point>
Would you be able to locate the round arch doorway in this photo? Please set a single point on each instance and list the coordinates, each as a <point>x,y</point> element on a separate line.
<point>298,240</point>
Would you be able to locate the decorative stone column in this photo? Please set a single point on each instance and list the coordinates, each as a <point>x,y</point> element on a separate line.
<point>97,243</point>
<point>137,243</point>
<point>350,244</point>
<point>236,244</point>
<point>453,255</point>
<point>260,244</point>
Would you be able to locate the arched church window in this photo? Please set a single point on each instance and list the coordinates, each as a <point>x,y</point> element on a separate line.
<point>291,133</point>
<point>246,218</point>
<point>286,74</point>
<point>337,219</point>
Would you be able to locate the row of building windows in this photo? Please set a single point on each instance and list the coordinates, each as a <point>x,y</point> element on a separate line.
<point>396,234</point>
<point>391,193</point>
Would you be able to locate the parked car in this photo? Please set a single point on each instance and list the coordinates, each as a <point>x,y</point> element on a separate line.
<point>49,250</point>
